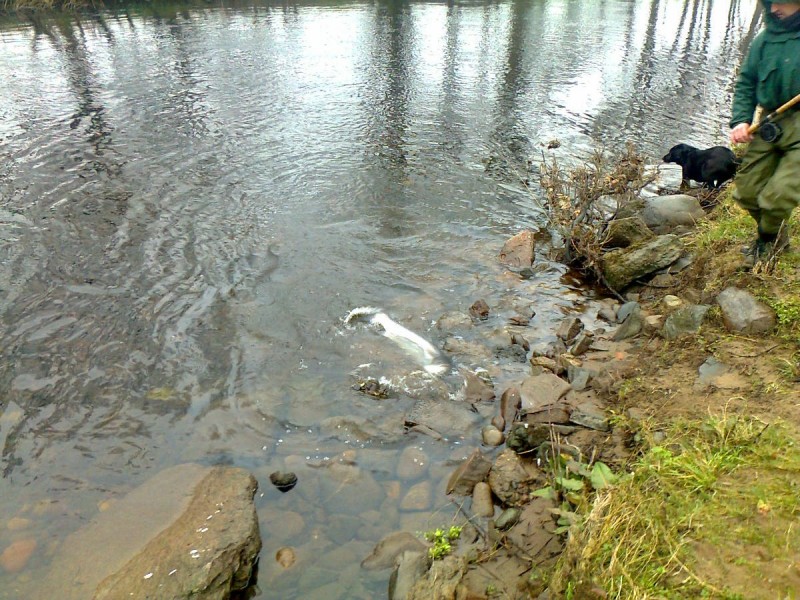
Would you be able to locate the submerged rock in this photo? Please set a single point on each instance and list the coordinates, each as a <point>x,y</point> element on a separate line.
<point>519,251</point>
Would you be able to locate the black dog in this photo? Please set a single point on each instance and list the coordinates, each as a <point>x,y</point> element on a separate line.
<point>711,167</point>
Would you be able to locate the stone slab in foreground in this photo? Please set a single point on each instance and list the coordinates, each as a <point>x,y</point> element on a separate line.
<point>189,532</point>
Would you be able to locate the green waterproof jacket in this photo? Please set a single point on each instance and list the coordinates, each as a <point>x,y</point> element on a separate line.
<point>770,74</point>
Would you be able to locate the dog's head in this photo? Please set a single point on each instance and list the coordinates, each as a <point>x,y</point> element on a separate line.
<point>679,154</point>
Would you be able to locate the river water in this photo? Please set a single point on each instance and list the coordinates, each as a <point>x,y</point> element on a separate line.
<point>193,197</point>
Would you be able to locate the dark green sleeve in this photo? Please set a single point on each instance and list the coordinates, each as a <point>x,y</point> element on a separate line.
<point>744,95</point>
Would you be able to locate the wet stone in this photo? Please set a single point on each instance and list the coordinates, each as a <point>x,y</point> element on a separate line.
<point>479,310</point>
<point>390,548</point>
<point>482,505</point>
<point>491,436</point>
<point>569,329</point>
<point>412,464</point>
<point>16,556</point>
<point>418,497</point>
<point>283,481</point>
<point>524,437</point>
<point>473,470</point>
<point>507,519</point>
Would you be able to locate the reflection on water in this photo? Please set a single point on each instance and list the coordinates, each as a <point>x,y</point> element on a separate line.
<point>192,198</point>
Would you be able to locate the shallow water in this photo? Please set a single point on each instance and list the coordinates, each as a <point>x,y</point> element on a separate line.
<point>192,198</point>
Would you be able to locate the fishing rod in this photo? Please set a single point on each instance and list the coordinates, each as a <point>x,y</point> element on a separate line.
<point>771,131</point>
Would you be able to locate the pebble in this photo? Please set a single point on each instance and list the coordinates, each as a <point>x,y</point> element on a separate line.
<point>286,557</point>
<point>492,436</point>
<point>16,556</point>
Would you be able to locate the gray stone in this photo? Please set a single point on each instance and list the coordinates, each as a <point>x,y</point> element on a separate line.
<point>631,327</point>
<point>623,267</point>
<point>454,321</point>
<point>685,321</point>
<point>589,415</point>
<point>446,417</point>
<point>579,377</point>
<point>744,313</point>
<point>626,310</point>
<point>412,464</point>
<point>669,211</point>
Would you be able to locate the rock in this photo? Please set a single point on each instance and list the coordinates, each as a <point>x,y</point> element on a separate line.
<point>283,481</point>
<point>499,423</point>
<point>473,470</point>
<point>386,551</point>
<point>668,211</point>
<point>579,377</point>
<point>479,310</point>
<point>476,389</point>
<point>622,233</point>
<point>350,490</point>
<point>671,302</point>
<point>715,373</point>
<point>591,416</point>
<point>546,363</point>
<point>441,581</point>
<point>513,480</point>
<point>482,505</point>
<point>411,566</point>
<point>742,312</point>
<point>524,437</point>
<point>519,321</point>
<point>208,552</point>
<point>519,251</point>
<point>630,327</point>
<point>607,313</point>
<point>446,417</point>
<point>17,554</point>
<point>358,429</point>
<point>507,519</point>
<point>685,321</point>
<point>454,321</point>
<point>622,267</point>
<point>510,403</point>
<point>581,343</point>
<point>139,530</point>
<point>541,390</point>
<point>491,436</point>
<point>418,497</point>
<point>281,524</point>
<point>549,414</point>
<point>412,464</point>
<point>627,309</point>
<point>286,557</point>
<point>569,328</point>
<point>653,323</point>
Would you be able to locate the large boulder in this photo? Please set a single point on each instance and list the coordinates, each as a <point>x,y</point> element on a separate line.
<point>623,267</point>
<point>670,211</point>
<point>189,532</point>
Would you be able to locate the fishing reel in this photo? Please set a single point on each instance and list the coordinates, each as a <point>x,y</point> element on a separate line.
<point>770,132</point>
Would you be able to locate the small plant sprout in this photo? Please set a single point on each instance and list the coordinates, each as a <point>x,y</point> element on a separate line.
<point>441,540</point>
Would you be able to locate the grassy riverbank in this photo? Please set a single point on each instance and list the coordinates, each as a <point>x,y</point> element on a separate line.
<point>710,507</point>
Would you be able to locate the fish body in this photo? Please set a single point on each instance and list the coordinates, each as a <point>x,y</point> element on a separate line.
<point>413,344</point>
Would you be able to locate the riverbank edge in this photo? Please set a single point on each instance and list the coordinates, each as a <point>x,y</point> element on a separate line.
<point>654,403</point>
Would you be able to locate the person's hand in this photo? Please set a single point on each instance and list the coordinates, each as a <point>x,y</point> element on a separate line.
<point>741,134</point>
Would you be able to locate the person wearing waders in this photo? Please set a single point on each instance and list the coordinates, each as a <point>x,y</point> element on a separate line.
<point>767,184</point>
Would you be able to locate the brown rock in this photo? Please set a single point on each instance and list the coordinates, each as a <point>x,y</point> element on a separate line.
<point>390,548</point>
<point>474,469</point>
<point>519,251</point>
<point>512,479</point>
<point>482,500</point>
<point>510,402</point>
<point>479,310</point>
<point>476,389</point>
